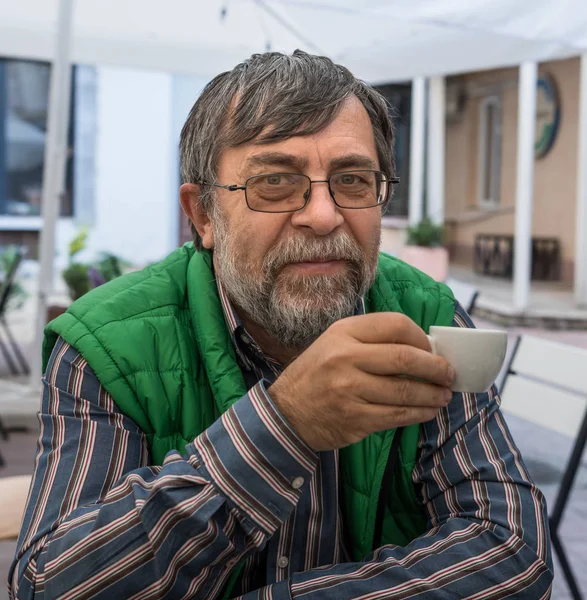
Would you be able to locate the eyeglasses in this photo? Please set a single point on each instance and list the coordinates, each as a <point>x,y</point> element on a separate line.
<point>289,192</point>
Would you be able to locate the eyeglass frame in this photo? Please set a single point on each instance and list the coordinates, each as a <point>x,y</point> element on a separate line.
<point>235,188</point>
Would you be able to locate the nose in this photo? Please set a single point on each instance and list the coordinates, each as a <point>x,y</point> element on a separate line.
<point>320,214</point>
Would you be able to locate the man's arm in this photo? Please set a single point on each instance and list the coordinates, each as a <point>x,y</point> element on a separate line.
<point>100,522</point>
<point>488,536</point>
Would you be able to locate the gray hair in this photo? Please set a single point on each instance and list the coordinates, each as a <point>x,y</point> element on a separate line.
<point>274,96</point>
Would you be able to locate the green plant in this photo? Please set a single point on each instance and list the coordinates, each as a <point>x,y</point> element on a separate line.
<point>426,233</point>
<point>78,244</point>
<point>77,280</point>
<point>82,277</point>
<point>111,266</point>
<point>17,295</point>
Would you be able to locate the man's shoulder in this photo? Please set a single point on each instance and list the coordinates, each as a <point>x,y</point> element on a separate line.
<point>399,287</point>
<point>399,274</point>
<point>157,286</point>
<point>126,313</point>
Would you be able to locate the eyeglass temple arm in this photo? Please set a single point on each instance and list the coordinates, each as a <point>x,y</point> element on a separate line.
<point>230,188</point>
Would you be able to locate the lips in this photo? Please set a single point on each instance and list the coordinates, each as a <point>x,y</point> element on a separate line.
<point>316,260</point>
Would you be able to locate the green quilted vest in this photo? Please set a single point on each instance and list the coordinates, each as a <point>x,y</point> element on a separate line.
<point>158,342</point>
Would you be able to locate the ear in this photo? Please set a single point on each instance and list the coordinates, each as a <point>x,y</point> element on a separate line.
<point>189,194</point>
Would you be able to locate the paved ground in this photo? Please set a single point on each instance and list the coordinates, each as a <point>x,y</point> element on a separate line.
<point>546,297</point>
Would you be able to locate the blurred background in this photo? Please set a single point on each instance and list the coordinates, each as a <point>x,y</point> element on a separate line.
<point>489,101</point>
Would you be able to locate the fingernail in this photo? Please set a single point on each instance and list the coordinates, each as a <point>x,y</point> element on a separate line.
<point>447,395</point>
<point>451,374</point>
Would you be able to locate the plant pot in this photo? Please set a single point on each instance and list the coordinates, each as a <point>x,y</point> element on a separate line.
<point>54,311</point>
<point>432,261</point>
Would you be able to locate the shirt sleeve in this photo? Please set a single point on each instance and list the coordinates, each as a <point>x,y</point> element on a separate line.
<point>487,532</point>
<point>101,523</point>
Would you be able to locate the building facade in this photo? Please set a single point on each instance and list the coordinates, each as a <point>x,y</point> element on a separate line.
<point>480,166</point>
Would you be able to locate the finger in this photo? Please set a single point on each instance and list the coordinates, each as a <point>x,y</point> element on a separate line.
<point>401,359</point>
<point>402,391</point>
<point>386,328</point>
<point>375,417</point>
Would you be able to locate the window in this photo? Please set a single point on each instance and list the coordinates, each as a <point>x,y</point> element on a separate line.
<point>399,97</point>
<point>24,93</point>
<point>489,152</point>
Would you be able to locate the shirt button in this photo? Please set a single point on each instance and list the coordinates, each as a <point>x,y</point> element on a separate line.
<point>297,483</point>
<point>282,562</point>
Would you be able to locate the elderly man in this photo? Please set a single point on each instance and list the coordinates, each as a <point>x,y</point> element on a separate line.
<point>260,414</point>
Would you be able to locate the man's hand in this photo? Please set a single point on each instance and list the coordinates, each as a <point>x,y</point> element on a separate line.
<point>364,374</point>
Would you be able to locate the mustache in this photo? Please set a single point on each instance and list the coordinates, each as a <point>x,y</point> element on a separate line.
<point>303,249</point>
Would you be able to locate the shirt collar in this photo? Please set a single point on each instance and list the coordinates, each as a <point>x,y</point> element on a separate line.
<point>360,307</point>
<point>235,326</point>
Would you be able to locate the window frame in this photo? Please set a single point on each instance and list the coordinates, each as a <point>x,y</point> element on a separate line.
<point>494,160</point>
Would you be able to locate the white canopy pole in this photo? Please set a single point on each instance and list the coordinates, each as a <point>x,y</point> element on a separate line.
<point>53,171</point>
<point>417,150</point>
<point>581,233</point>
<point>525,183</point>
<point>436,148</point>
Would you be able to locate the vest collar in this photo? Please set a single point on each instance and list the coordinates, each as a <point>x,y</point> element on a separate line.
<point>213,337</point>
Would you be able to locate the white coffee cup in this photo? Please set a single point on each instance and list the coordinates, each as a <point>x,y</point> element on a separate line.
<point>476,355</point>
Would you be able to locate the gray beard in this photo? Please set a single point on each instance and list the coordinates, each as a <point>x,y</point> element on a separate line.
<point>294,309</point>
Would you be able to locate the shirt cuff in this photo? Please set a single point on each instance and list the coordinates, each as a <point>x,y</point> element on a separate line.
<point>256,459</point>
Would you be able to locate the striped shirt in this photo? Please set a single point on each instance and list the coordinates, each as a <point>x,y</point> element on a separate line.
<point>101,522</point>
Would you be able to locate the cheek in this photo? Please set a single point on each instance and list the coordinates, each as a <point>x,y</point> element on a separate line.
<point>366,229</point>
<point>254,234</point>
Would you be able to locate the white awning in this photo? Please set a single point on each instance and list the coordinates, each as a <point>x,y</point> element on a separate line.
<point>378,40</point>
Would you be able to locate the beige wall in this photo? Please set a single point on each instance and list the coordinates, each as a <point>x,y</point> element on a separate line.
<point>554,177</point>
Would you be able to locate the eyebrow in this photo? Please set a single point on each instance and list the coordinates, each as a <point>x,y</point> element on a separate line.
<point>277,159</point>
<point>283,159</point>
<point>353,161</point>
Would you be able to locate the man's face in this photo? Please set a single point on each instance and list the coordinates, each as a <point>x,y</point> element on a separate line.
<point>296,273</point>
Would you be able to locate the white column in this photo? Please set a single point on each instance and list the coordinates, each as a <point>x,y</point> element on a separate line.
<point>436,148</point>
<point>53,171</point>
<point>581,233</point>
<point>525,183</point>
<point>417,150</point>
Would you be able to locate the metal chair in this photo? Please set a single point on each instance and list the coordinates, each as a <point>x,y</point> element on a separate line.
<point>465,293</point>
<point>3,436</point>
<point>15,360</point>
<point>546,384</point>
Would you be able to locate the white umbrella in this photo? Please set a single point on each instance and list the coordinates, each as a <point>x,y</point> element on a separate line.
<point>379,40</point>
